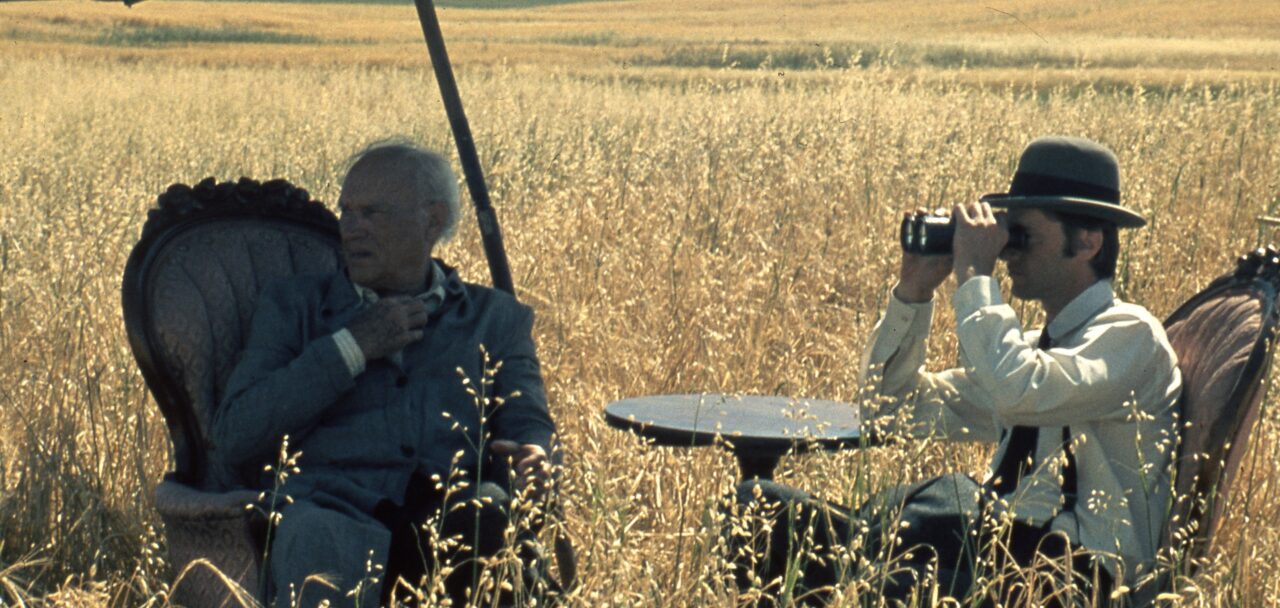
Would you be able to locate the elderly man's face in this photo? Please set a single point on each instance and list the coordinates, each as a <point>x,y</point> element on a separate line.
<point>387,234</point>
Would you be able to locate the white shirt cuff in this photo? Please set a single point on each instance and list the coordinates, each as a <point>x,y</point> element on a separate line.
<point>902,322</point>
<point>915,318</point>
<point>350,350</point>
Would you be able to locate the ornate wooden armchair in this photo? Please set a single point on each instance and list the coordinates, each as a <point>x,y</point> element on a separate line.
<point>1223,337</point>
<point>190,286</point>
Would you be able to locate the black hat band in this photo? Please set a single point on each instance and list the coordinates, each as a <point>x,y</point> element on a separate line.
<point>1036,184</point>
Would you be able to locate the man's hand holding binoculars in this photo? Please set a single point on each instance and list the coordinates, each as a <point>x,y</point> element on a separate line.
<point>920,275</point>
<point>980,238</point>
<point>976,245</point>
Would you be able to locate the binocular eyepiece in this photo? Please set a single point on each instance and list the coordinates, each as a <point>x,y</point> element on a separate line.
<point>927,234</point>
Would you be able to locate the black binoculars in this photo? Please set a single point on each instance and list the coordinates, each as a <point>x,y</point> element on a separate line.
<point>927,234</point>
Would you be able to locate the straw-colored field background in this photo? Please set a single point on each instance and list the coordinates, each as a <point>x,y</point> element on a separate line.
<point>697,196</point>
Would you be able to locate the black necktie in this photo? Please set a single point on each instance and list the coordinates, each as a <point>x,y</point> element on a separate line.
<point>1019,455</point>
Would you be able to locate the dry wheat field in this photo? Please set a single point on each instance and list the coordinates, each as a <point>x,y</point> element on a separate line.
<point>697,196</point>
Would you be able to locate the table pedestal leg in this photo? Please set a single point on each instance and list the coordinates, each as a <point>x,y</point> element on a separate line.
<point>757,466</point>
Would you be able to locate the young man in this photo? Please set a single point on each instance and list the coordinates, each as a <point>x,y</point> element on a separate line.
<point>1082,410</point>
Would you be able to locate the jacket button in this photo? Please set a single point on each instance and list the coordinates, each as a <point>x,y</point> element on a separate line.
<point>402,381</point>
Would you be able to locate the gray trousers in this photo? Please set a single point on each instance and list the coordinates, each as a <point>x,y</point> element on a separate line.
<point>322,536</point>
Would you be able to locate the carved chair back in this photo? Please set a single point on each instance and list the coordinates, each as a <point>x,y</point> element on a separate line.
<point>191,284</point>
<point>1223,337</point>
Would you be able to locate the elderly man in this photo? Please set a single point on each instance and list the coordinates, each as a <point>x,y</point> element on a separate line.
<point>1082,410</point>
<point>391,377</point>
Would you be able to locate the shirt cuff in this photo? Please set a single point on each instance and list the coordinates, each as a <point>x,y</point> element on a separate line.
<point>977,293</point>
<point>350,350</point>
<point>902,323</point>
<point>916,318</point>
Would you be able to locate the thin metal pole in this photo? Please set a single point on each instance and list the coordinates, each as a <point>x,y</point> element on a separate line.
<point>490,233</point>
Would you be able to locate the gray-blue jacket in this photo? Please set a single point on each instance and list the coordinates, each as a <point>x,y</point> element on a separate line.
<point>363,438</point>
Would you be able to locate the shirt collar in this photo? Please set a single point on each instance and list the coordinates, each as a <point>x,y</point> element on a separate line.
<point>1084,307</point>
<point>433,297</point>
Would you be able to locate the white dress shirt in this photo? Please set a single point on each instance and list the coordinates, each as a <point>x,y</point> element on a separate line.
<point>1110,376</point>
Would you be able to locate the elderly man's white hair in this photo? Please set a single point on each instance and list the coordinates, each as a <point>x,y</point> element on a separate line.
<point>435,178</point>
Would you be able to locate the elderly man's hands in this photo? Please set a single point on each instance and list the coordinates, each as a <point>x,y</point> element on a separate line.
<point>530,463</point>
<point>388,326</point>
